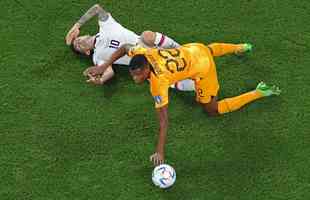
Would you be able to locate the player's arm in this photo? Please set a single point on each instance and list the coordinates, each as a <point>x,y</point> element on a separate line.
<point>159,156</point>
<point>101,79</point>
<point>100,69</point>
<point>158,40</point>
<point>95,10</point>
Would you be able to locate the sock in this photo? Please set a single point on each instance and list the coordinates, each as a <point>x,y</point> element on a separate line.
<point>234,103</point>
<point>185,85</point>
<point>219,49</point>
<point>165,42</point>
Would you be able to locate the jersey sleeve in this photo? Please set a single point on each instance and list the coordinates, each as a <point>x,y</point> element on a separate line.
<point>107,24</point>
<point>159,89</point>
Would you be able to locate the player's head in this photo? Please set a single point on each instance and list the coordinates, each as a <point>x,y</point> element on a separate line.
<point>139,68</point>
<point>83,44</point>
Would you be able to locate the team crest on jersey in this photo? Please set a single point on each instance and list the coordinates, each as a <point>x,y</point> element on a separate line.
<point>158,99</point>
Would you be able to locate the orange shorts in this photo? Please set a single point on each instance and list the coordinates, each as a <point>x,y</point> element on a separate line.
<point>206,83</point>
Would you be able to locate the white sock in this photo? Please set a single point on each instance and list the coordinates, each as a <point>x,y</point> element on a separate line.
<point>165,42</point>
<point>184,85</point>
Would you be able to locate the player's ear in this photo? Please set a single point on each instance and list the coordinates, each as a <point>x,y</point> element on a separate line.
<point>147,70</point>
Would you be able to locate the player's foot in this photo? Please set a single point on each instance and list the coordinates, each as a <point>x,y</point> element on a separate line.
<point>266,90</point>
<point>246,47</point>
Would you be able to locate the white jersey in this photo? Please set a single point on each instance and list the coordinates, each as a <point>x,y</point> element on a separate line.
<point>111,36</point>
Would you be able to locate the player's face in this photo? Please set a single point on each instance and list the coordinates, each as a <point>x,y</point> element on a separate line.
<point>83,44</point>
<point>139,75</point>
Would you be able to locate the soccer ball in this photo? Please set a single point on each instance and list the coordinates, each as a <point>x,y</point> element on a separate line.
<point>163,176</point>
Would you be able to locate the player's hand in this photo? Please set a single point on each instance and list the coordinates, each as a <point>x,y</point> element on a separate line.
<point>157,158</point>
<point>73,33</point>
<point>96,80</point>
<point>93,71</point>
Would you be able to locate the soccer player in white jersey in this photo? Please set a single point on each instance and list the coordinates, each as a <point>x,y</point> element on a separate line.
<point>110,37</point>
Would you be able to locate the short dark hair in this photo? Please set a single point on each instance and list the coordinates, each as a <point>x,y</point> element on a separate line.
<point>77,52</point>
<point>138,61</point>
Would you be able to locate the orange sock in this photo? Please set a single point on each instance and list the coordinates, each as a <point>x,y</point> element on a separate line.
<point>219,49</point>
<point>234,103</point>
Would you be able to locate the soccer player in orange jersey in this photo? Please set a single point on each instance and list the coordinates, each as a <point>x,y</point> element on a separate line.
<point>163,67</point>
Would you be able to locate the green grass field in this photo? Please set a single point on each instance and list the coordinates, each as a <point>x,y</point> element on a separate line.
<point>62,139</point>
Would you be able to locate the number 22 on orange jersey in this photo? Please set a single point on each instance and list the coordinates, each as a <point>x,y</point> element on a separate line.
<point>173,60</point>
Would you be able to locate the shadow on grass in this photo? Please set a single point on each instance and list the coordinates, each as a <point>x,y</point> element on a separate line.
<point>121,76</point>
<point>248,156</point>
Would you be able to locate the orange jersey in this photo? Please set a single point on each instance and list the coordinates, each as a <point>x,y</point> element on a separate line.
<point>190,61</point>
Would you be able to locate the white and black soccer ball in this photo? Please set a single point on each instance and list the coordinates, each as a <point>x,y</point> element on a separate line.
<point>163,176</point>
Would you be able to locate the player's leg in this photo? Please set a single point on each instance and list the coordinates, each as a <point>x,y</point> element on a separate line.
<point>234,103</point>
<point>206,95</point>
<point>220,49</point>
<point>214,107</point>
<point>155,39</point>
<point>206,92</point>
<point>211,107</point>
<point>207,88</point>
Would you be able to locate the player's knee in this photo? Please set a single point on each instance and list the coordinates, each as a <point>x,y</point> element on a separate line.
<point>211,109</point>
<point>148,37</point>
